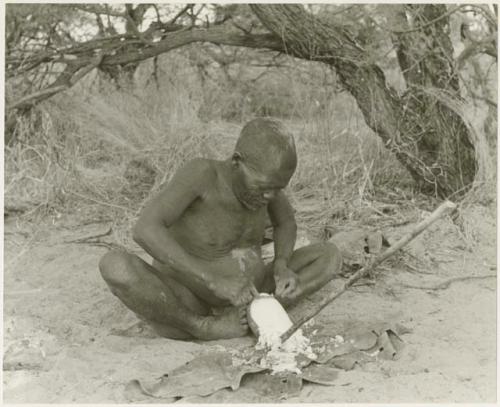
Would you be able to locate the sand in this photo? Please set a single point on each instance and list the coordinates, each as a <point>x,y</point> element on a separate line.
<point>62,341</point>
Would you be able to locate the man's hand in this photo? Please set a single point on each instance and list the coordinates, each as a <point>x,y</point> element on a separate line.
<point>235,288</point>
<point>286,281</point>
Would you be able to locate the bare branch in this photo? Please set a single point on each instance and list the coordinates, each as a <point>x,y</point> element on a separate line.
<point>179,14</point>
<point>158,18</point>
<point>132,23</point>
<point>97,9</point>
<point>432,22</point>
<point>488,46</point>
<point>215,35</point>
<point>100,24</point>
<point>487,13</point>
<point>113,53</point>
<point>70,76</point>
<point>140,10</point>
<point>247,31</point>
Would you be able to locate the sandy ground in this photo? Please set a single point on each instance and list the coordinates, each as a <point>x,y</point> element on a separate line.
<point>62,341</point>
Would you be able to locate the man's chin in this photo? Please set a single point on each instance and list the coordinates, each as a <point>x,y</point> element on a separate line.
<point>253,206</point>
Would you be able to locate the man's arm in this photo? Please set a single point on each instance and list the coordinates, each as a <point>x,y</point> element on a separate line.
<point>285,229</point>
<point>285,233</point>
<point>151,231</point>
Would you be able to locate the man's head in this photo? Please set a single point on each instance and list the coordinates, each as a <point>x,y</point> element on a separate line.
<point>263,161</point>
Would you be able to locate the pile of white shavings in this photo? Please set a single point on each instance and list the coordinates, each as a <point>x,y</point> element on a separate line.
<point>282,357</point>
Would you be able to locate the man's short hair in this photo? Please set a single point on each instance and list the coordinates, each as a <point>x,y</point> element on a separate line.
<point>267,143</point>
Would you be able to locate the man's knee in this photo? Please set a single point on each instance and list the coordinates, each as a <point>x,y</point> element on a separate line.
<point>117,269</point>
<point>332,259</point>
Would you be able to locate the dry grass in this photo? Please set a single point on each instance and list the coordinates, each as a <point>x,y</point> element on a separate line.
<point>100,155</point>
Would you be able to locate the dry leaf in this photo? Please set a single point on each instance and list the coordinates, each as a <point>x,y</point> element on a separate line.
<point>201,376</point>
<point>274,386</point>
<point>347,362</point>
<point>320,374</point>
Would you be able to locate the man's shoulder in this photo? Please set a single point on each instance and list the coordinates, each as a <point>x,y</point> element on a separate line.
<point>200,169</point>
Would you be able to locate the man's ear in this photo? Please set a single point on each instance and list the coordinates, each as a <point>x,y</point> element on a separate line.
<point>235,159</point>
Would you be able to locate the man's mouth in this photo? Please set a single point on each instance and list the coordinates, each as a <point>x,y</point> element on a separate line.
<point>253,202</point>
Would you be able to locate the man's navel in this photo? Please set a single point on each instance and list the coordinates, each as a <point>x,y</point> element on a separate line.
<point>242,255</point>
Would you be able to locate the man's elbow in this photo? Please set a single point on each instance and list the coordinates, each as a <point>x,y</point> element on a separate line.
<point>139,232</point>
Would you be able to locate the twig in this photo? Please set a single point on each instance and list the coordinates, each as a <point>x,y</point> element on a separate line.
<point>95,9</point>
<point>445,284</point>
<point>134,27</point>
<point>414,269</point>
<point>180,13</point>
<point>444,15</point>
<point>240,27</point>
<point>444,208</point>
<point>95,240</point>
<point>107,245</point>
<point>91,237</point>
<point>75,74</point>
<point>100,202</point>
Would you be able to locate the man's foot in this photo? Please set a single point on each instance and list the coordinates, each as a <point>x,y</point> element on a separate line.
<point>232,323</point>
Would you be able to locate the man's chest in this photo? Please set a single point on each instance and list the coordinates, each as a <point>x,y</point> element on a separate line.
<point>228,222</point>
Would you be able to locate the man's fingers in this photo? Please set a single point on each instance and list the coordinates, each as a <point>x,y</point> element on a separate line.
<point>254,291</point>
<point>245,299</point>
<point>287,289</point>
<point>243,315</point>
<point>248,295</point>
<point>283,285</point>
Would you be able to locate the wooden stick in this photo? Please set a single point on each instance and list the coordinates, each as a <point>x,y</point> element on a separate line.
<point>444,208</point>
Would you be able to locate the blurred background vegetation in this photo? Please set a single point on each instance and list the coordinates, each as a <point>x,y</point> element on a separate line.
<point>93,144</point>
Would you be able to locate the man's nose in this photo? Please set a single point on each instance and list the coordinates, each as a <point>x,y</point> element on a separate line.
<point>268,195</point>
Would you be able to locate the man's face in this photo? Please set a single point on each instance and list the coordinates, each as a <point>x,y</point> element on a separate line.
<point>257,187</point>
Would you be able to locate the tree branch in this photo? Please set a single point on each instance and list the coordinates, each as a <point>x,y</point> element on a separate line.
<point>97,9</point>
<point>179,14</point>
<point>114,53</point>
<point>70,76</point>
<point>428,24</point>
<point>215,35</point>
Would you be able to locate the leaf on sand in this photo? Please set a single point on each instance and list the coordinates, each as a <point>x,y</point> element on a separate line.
<point>213,371</point>
<point>361,337</point>
<point>347,362</point>
<point>397,328</point>
<point>354,244</point>
<point>377,340</point>
<point>388,346</point>
<point>320,374</point>
<point>278,386</point>
<point>201,376</point>
<point>255,388</point>
<point>134,393</point>
<point>328,350</point>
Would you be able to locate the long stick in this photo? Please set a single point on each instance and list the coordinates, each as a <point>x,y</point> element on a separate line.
<point>444,208</point>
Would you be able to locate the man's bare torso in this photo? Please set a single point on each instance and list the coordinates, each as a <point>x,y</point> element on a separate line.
<point>216,223</point>
<point>218,230</point>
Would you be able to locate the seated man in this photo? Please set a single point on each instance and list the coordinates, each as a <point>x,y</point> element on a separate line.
<point>204,231</point>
